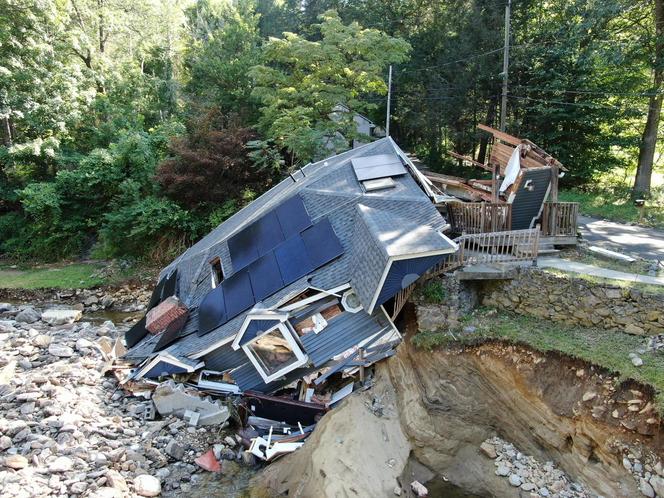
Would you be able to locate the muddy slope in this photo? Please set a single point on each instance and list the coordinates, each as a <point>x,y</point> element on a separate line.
<point>442,405</point>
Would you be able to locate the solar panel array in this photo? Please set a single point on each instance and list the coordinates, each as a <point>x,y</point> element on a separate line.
<point>377,166</point>
<point>268,255</point>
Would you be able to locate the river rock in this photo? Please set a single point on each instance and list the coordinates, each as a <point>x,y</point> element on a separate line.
<point>488,449</point>
<point>657,484</point>
<point>637,362</point>
<point>502,471</point>
<point>419,489</point>
<point>646,489</point>
<point>5,443</point>
<point>16,462</point>
<point>589,395</point>
<point>28,315</point>
<point>61,351</point>
<point>147,485</point>
<point>6,307</point>
<point>174,450</point>
<point>515,480</point>
<point>61,464</point>
<point>41,340</point>
<point>61,316</point>
<point>115,480</point>
<point>83,343</point>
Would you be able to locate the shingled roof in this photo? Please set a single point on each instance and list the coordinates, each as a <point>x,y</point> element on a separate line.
<point>373,227</point>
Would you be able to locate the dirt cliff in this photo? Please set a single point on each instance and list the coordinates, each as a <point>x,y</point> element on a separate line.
<point>441,406</point>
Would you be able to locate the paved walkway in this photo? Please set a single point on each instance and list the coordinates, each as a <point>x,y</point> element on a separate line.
<point>637,241</point>
<point>595,271</point>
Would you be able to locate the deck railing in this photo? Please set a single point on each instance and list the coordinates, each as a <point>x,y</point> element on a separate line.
<point>492,247</point>
<point>479,217</point>
<point>560,219</point>
<point>482,248</point>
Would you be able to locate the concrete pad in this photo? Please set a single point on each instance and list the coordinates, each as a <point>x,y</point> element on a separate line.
<point>594,271</point>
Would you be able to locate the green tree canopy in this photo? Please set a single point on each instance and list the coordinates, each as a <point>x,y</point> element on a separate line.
<point>302,81</point>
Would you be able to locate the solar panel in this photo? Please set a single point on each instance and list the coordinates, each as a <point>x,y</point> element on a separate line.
<point>293,216</point>
<point>265,276</point>
<point>292,259</point>
<point>170,285</point>
<point>238,295</point>
<point>321,243</point>
<point>267,233</point>
<point>377,166</point>
<point>242,247</point>
<point>212,311</point>
<point>155,298</point>
<point>134,335</point>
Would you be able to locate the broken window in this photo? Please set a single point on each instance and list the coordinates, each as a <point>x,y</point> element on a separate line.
<point>217,273</point>
<point>275,353</point>
<point>315,317</point>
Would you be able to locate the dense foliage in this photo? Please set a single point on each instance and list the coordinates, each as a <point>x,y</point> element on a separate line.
<point>132,128</point>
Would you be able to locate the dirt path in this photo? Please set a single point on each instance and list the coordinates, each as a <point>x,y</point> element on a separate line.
<point>647,243</point>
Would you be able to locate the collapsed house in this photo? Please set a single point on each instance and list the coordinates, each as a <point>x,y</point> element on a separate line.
<point>300,284</point>
<point>521,194</point>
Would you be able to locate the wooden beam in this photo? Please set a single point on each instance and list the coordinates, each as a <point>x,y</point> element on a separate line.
<point>501,135</point>
<point>470,160</point>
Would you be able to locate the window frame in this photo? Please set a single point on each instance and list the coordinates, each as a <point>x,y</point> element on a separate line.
<point>214,277</point>
<point>285,330</point>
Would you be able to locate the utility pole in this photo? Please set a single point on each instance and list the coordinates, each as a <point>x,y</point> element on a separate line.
<point>389,98</point>
<point>506,64</point>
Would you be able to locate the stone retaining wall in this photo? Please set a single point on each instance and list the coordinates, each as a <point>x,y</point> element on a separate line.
<point>576,301</point>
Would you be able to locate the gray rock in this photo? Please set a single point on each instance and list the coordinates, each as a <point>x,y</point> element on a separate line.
<point>28,315</point>
<point>657,484</point>
<point>174,450</point>
<point>83,343</point>
<point>544,492</point>
<point>502,470</point>
<point>78,488</point>
<point>646,489</point>
<point>61,351</point>
<point>515,480</point>
<point>637,362</point>
<point>16,462</point>
<point>41,340</point>
<point>147,485</point>
<point>115,480</point>
<point>61,464</point>
<point>60,316</point>
<point>227,454</point>
<point>488,449</point>
<point>6,307</point>
<point>5,443</point>
<point>230,441</point>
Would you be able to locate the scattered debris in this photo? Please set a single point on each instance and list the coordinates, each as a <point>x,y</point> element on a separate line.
<point>419,489</point>
<point>208,461</point>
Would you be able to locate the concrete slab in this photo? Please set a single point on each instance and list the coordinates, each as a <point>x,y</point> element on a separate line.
<point>594,271</point>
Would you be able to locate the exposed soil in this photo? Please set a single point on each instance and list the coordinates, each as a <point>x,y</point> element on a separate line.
<point>440,406</point>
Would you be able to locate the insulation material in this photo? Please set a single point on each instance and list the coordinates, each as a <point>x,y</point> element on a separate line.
<point>161,316</point>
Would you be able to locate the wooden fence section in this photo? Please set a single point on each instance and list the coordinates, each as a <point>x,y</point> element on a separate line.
<point>401,299</point>
<point>560,219</point>
<point>479,217</point>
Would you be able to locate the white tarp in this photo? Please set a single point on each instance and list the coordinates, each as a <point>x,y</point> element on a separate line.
<point>512,170</point>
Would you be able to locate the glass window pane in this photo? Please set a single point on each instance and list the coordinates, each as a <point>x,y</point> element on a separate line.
<point>273,352</point>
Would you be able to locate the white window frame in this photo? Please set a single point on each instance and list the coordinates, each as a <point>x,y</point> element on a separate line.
<point>287,333</point>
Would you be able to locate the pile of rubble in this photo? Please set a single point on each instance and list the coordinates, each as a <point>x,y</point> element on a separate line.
<point>528,474</point>
<point>68,429</point>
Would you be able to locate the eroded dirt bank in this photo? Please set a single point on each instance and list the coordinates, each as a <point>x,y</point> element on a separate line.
<point>442,405</point>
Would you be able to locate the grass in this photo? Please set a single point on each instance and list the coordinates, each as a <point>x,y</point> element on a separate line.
<point>608,349</point>
<point>59,276</point>
<point>433,292</point>
<point>609,198</point>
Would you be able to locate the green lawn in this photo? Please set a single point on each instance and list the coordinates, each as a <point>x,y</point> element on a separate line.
<point>604,348</point>
<point>64,276</point>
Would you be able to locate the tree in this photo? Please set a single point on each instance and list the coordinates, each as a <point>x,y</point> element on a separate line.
<point>302,81</point>
<point>649,137</point>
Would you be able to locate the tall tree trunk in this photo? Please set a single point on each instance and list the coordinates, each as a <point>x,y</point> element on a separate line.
<point>649,137</point>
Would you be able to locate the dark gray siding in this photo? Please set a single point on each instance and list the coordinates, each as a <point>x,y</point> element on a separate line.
<point>342,332</point>
<point>224,358</point>
<point>527,204</point>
